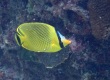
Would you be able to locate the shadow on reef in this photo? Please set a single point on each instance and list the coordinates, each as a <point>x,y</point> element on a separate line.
<point>93,62</point>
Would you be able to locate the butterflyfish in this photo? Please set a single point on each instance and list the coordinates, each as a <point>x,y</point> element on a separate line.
<point>40,37</point>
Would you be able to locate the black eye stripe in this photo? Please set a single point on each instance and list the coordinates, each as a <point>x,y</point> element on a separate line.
<point>19,32</point>
<point>18,39</point>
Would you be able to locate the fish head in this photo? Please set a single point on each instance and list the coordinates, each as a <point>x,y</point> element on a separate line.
<point>19,37</point>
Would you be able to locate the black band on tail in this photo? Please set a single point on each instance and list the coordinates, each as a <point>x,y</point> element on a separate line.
<point>60,42</point>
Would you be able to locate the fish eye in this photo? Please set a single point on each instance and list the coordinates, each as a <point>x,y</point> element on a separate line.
<point>18,39</point>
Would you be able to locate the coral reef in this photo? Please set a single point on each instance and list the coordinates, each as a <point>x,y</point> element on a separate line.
<point>87,58</point>
<point>100,22</point>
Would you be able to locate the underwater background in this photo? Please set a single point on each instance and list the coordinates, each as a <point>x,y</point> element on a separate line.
<point>85,22</point>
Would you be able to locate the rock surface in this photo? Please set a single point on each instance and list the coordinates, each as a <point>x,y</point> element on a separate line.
<point>99,17</point>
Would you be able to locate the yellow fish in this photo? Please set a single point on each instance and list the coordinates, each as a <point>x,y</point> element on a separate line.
<point>40,37</point>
